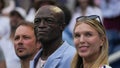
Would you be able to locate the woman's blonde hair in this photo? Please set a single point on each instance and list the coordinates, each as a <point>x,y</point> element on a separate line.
<point>103,57</point>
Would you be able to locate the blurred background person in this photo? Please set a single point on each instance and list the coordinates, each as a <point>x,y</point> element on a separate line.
<point>16,15</point>
<point>25,4</point>
<point>9,6</point>
<point>4,22</point>
<point>111,20</point>
<point>2,59</point>
<point>66,35</point>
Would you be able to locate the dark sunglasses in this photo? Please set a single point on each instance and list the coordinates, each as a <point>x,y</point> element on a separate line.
<point>90,17</point>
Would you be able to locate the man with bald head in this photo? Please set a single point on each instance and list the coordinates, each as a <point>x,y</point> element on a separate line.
<point>55,53</point>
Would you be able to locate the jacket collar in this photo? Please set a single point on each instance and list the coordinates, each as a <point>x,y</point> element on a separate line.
<point>54,59</point>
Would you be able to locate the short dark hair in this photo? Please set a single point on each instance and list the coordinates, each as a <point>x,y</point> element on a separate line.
<point>26,23</point>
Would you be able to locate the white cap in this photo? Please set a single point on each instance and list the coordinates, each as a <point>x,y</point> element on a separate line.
<point>21,11</point>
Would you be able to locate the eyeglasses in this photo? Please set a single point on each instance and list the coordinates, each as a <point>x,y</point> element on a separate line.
<point>90,17</point>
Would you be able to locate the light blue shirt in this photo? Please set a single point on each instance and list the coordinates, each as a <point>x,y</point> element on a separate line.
<point>61,58</point>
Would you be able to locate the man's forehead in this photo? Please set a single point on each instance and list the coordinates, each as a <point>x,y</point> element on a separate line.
<point>56,9</point>
<point>49,8</point>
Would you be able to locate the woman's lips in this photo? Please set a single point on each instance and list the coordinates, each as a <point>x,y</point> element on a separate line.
<point>83,48</point>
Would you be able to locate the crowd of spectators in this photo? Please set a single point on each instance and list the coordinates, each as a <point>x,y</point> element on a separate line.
<point>12,11</point>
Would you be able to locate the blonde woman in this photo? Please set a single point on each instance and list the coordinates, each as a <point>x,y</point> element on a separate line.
<point>91,43</point>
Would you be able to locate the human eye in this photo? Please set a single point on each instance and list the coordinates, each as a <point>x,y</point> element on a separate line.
<point>88,34</point>
<point>26,37</point>
<point>16,38</point>
<point>36,21</point>
<point>49,20</point>
<point>76,35</point>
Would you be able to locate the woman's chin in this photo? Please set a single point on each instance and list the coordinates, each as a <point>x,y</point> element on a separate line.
<point>83,55</point>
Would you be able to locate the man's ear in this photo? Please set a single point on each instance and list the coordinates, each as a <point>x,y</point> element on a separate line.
<point>62,26</point>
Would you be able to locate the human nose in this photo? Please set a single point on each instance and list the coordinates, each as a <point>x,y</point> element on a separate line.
<point>82,39</point>
<point>42,24</point>
<point>20,41</point>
